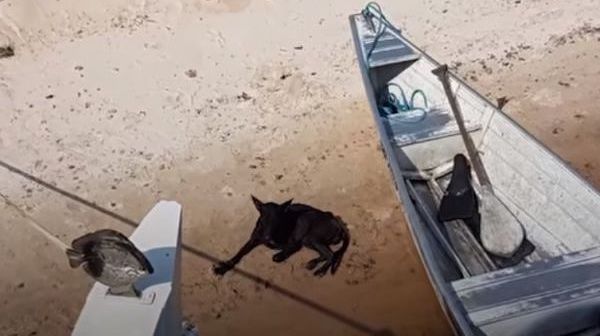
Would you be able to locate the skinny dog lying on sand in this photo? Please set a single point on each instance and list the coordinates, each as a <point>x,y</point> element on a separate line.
<point>289,226</point>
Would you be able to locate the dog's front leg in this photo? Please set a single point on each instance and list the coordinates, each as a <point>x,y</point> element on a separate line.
<point>222,267</point>
<point>287,251</point>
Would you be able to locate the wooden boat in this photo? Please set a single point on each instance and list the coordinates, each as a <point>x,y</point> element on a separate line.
<point>553,291</point>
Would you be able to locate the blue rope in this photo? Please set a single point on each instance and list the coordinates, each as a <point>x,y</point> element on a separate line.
<point>404,105</point>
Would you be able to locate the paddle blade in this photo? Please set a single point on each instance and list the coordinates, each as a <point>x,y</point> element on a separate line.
<point>524,250</point>
<point>455,206</point>
<point>460,201</point>
<point>501,232</point>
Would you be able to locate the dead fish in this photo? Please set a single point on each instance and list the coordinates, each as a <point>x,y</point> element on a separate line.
<point>111,259</point>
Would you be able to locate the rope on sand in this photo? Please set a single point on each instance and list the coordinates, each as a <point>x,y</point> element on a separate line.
<point>33,223</point>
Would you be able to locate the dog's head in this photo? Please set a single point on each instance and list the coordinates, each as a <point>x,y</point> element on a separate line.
<point>271,214</point>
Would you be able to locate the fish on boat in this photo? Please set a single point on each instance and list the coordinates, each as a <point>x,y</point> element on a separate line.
<point>551,286</point>
<point>110,258</point>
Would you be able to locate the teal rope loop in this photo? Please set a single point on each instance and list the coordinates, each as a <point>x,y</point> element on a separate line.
<point>373,13</point>
<point>378,22</point>
<point>404,105</point>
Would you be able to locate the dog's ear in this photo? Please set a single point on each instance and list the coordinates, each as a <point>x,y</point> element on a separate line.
<point>257,203</point>
<point>286,205</point>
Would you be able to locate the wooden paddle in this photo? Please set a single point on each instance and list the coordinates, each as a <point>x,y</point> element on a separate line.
<point>501,232</point>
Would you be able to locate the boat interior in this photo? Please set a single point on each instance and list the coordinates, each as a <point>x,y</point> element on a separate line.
<point>559,211</point>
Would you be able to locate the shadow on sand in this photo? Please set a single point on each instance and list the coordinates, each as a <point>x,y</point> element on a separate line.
<point>360,326</point>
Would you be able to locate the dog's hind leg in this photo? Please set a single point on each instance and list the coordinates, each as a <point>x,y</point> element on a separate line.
<point>311,264</point>
<point>326,254</point>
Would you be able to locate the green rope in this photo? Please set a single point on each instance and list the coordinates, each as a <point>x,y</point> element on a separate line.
<point>404,105</point>
<point>379,23</point>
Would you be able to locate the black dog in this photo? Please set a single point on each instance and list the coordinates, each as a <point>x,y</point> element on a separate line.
<point>287,227</point>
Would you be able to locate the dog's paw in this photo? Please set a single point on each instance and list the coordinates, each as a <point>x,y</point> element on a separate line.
<point>279,257</point>
<point>221,268</point>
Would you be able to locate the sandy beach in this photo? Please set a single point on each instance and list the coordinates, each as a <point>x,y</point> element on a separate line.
<point>124,103</point>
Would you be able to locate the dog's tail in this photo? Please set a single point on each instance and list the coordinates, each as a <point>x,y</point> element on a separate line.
<point>339,254</point>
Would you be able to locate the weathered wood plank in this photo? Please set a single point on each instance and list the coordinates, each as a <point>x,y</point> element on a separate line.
<point>530,188</point>
<point>553,296</point>
<point>547,245</point>
<point>578,189</point>
<point>465,266</point>
<point>552,186</point>
<point>536,202</point>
